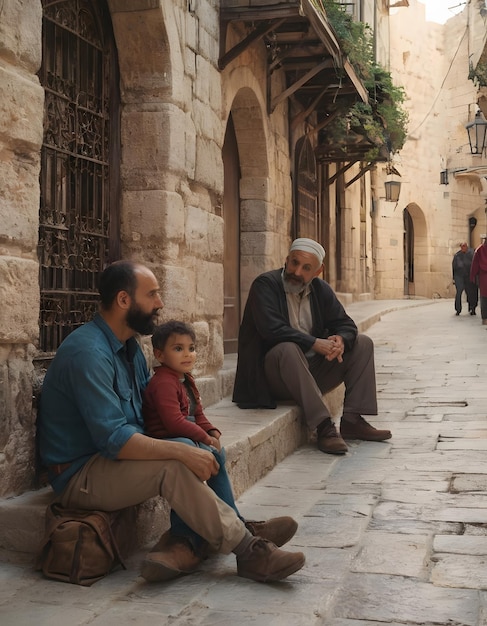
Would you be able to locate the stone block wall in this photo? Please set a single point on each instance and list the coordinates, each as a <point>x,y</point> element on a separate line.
<point>21,113</point>
<point>174,107</point>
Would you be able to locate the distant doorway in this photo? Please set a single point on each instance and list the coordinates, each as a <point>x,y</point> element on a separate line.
<point>306,216</point>
<point>231,218</point>
<point>408,254</point>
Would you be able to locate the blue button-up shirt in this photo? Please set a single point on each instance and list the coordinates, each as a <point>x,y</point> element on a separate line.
<point>91,400</point>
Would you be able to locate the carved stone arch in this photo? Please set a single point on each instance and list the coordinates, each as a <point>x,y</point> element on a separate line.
<point>248,117</point>
<point>417,269</point>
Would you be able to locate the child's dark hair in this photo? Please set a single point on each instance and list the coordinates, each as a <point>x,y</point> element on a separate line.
<point>173,327</point>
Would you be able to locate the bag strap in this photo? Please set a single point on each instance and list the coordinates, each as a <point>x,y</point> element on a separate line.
<point>92,521</point>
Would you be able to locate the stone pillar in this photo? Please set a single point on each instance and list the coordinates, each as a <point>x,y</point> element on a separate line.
<point>21,111</point>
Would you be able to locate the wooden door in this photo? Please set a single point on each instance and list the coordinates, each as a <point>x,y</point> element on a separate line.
<point>231,217</point>
<point>408,254</point>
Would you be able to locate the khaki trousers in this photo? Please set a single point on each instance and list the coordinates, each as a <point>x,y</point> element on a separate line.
<point>291,376</point>
<point>111,485</point>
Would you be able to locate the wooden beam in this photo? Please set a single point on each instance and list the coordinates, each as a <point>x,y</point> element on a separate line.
<point>304,79</point>
<point>258,33</point>
<point>257,14</point>
<point>341,171</point>
<point>363,171</point>
<point>302,115</point>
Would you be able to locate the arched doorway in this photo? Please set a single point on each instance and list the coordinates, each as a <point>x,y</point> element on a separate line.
<point>306,215</point>
<point>78,216</point>
<point>231,217</point>
<point>408,254</point>
<point>417,266</point>
<point>247,190</point>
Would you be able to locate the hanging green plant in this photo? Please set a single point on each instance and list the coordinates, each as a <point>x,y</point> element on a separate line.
<point>383,118</point>
<point>478,74</point>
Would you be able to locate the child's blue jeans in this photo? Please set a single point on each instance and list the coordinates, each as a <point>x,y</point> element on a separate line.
<point>220,484</point>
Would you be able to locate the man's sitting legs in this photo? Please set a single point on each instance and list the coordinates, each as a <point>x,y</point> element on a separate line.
<point>292,376</point>
<point>111,485</point>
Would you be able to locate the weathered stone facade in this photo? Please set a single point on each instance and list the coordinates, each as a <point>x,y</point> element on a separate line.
<point>21,111</point>
<point>175,109</point>
<point>432,62</point>
<point>175,104</point>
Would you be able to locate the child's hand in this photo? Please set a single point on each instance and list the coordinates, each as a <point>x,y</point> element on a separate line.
<point>215,443</point>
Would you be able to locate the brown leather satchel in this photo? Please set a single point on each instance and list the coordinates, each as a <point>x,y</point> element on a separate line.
<point>79,547</point>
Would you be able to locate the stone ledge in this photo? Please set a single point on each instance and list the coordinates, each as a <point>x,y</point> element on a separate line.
<point>255,442</point>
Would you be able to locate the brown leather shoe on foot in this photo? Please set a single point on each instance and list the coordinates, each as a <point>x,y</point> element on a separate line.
<point>279,530</point>
<point>174,557</point>
<point>361,429</point>
<point>265,562</point>
<point>329,440</point>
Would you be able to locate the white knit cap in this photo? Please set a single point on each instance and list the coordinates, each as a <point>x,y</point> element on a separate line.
<point>309,245</point>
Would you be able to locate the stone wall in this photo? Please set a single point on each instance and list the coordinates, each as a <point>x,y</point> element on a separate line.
<point>21,112</point>
<point>175,104</point>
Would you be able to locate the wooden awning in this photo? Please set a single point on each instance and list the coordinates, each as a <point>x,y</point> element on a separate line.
<point>299,41</point>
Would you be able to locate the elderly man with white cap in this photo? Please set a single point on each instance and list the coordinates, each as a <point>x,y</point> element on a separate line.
<point>296,342</point>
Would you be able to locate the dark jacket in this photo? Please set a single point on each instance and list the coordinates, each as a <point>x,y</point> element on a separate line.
<point>461,264</point>
<point>265,323</point>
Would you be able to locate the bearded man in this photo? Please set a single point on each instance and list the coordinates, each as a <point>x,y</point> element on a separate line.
<point>92,439</point>
<point>296,342</point>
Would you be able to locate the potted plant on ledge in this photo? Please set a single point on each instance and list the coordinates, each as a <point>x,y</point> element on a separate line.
<point>374,130</point>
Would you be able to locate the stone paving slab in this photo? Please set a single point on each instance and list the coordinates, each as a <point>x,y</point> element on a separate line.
<point>393,553</point>
<point>463,444</point>
<point>460,571</point>
<point>385,598</point>
<point>463,544</point>
<point>469,482</point>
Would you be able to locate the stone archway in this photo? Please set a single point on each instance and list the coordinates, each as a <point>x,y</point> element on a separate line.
<point>255,209</point>
<point>152,127</point>
<point>416,252</point>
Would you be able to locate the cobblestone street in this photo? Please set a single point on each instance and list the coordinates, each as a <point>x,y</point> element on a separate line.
<point>394,533</point>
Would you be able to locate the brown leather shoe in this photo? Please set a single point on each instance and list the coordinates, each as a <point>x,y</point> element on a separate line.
<point>361,429</point>
<point>328,439</point>
<point>278,530</point>
<point>171,557</point>
<point>265,562</point>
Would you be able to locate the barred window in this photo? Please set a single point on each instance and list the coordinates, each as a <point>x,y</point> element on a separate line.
<point>78,220</point>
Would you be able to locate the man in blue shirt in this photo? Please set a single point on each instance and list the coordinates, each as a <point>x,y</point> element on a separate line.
<point>92,440</point>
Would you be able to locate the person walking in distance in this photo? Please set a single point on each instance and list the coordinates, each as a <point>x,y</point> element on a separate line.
<point>478,271</point>
<point>461,264</point>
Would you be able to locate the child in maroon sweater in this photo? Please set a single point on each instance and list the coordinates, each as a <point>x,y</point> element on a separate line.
<point>172,409</point>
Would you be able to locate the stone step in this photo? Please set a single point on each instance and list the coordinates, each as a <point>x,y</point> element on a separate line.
<point>255,441</point>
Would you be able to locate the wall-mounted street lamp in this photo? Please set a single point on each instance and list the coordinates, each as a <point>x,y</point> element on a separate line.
<point>477,132</point>
<point>392,186</point>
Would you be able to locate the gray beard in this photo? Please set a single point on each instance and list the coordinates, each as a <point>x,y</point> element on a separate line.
<point>290,287</point>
